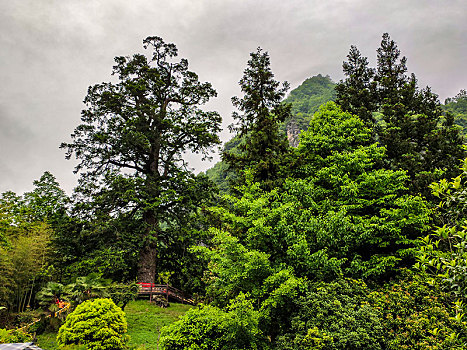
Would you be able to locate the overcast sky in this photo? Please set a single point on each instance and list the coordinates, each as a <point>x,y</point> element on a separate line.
<point>52,50</point>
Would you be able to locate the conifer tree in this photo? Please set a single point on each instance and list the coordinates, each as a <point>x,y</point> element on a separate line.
<point>356,94</point>
<point>407,120</point>
<point>132,139</point>
<point>261,111</point>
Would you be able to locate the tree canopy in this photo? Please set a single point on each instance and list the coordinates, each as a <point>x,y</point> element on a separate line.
<point>262,112</point>
<point>132,139</point>
<point>407,120</point>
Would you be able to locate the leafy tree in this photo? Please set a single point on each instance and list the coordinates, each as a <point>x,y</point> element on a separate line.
<point>50,294</point>
<point>417,314</point>
<point>341,170</point>
<point>47,201</point>
<point>23,263</point>
<point>335,315</point>
<point>457,106</point>
<point>87,287</point>
<point>341,214</point>
<point>357,93</point>
<point>305,101</point>
<point>452,203</point>
<point>234,269</point>
<point>443,254</point>
<point>107,245</point>
<point>132,139</point>
<point>12,209</point>
<point>209,327</point>
<point>26,236</point>
<point>262,112</point>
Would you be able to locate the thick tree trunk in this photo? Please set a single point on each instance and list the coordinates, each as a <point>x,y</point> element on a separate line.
<point>148,254</point>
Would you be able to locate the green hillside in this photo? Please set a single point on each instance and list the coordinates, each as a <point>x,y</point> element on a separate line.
<point>458,107</point>
<point>307,98</point>
<point>305,101</point>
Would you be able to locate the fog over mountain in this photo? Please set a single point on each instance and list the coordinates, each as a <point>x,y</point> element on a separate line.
<point>52,50</point>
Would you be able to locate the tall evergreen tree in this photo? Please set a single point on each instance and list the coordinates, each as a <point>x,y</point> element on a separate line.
<point>357,92</point>
<point>408,120</point>
<point>132,138</point>
<point>262,111</point>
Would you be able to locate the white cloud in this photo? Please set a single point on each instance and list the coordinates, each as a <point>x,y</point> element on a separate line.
<point>52,50</point>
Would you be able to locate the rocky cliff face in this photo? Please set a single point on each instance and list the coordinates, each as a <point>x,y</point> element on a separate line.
<point>293,131</point>
<point>305,101</point>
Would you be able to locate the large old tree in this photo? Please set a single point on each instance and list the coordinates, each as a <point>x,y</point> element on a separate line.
<point>133,135</point>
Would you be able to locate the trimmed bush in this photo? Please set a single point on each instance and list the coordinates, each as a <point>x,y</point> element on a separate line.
<point>99,324</point>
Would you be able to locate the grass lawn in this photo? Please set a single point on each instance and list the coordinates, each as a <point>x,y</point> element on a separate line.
<point>47,341</point>
<point>144,323</point>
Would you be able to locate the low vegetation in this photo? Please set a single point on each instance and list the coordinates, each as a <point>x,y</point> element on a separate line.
<point>336,219</point>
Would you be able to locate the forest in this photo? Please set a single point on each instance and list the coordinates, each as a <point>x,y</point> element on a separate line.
<point>335,219</point>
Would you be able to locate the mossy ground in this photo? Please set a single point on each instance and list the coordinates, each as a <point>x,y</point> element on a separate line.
<point>144,323</point>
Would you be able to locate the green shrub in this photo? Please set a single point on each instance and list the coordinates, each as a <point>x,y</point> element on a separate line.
<point>212,328</point>
<point>417,316</point>
<point>98,323</point>
<point>23,318</point>
<point>14,336</point>
<point>122,294</point>
<point>335,316</point>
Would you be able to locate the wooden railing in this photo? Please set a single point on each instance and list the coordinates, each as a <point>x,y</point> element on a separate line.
<point>153,289</point>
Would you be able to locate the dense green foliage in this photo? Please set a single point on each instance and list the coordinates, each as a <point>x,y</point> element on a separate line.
<point>262,110</point>
<point>346,314</point>
<point>418,315</point>
<point>98,323</point>
<point>407,120</point>
<point>12,336</point>
<point>443,254</point>
<point>23,263</point>
<point>457,106</point>
<point>131,141</point>
<point>340,215</point>
<point>337,239</point>
<point>304,100</point>
<point>212,328</point>
<point>335,315</point>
